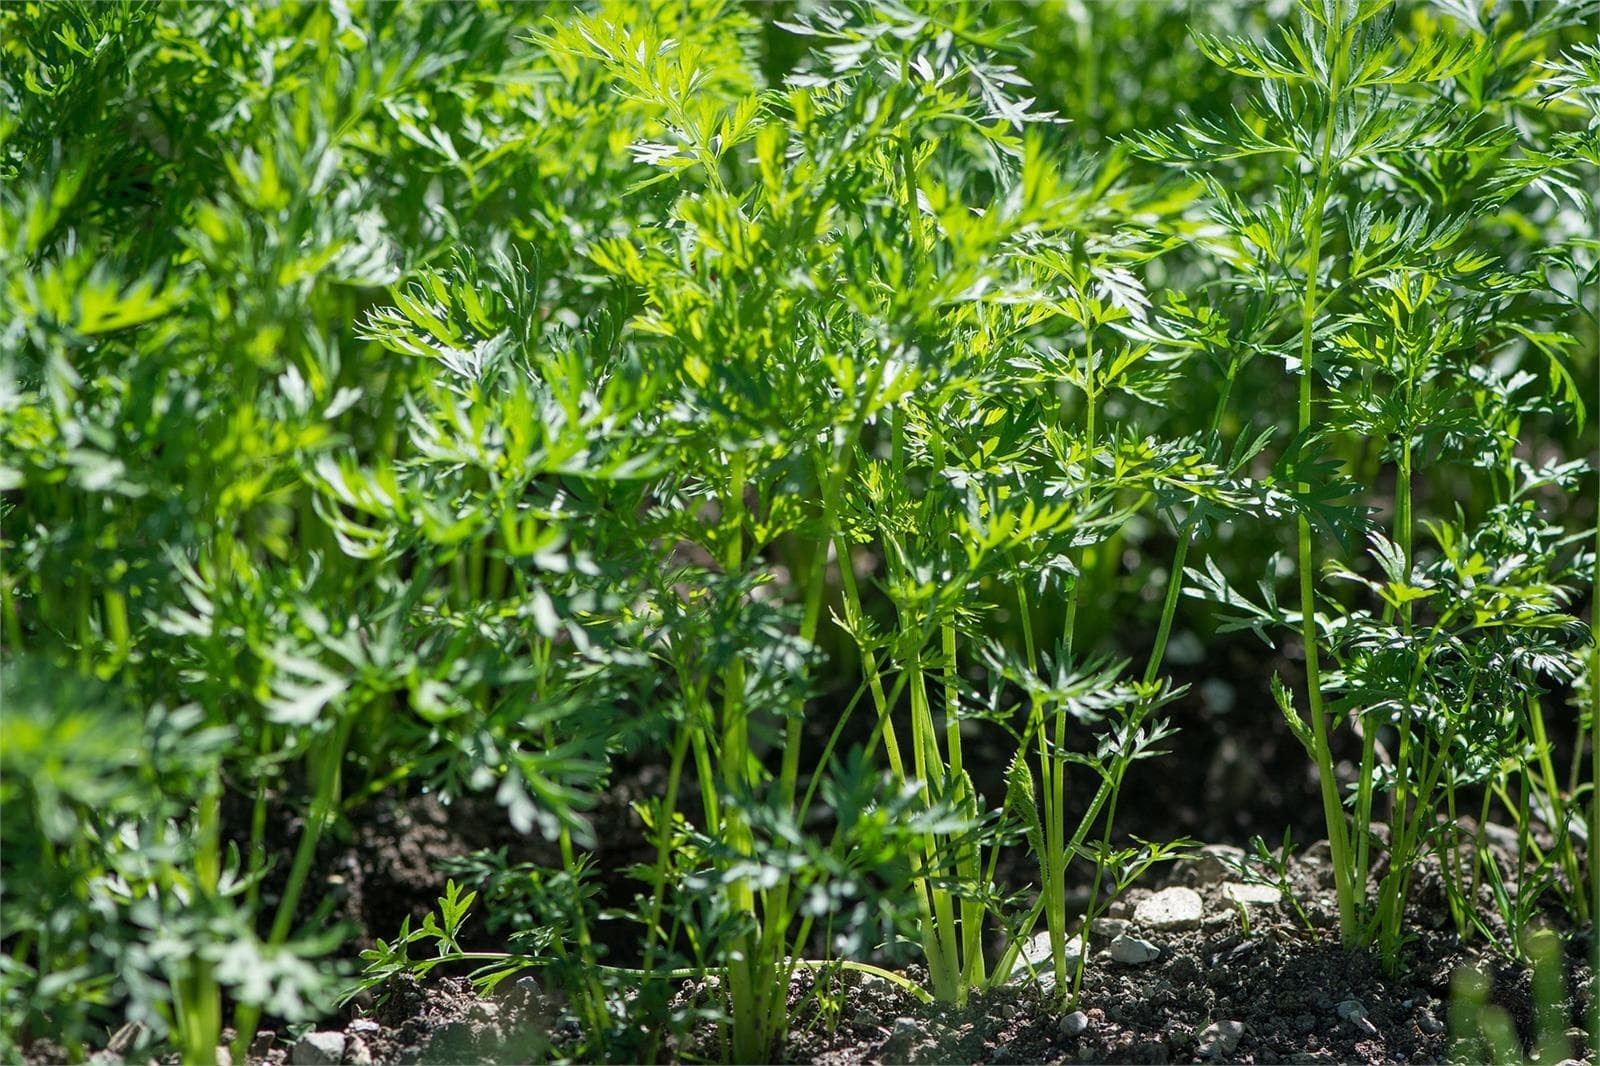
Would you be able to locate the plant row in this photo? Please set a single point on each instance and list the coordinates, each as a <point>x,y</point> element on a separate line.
<point>473,398</point>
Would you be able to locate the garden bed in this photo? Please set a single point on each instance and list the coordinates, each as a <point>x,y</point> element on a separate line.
<point>1251,982</point>
<point>686,530</point>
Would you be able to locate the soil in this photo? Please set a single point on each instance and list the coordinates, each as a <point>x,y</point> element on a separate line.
<point>1296,995</point>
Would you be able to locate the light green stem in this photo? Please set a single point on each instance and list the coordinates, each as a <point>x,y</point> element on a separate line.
<point>1332,809</point>
<point>323,803</point>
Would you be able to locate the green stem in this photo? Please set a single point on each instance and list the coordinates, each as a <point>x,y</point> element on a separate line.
<point>1025,612</point>
<point>258,815</point>
<point>664,819</point>
<point>1450,861</point>
<point>1180,553</point>
<point>1088,67</point>
<point>1094,890</point>
<point>1332,809</point>
<point>776,916</point>
<point>908,173</point>
<point>323,803</point>
<point>869,663</point>
<point>1556,805</point>
<point>930,771</point>
<point>592,994</point>
<point>883,704</point>
<point>199,999</point>
<point>1480,848</point>
<point>747,986</point>
<point>1090,402</point>
<point>116,615</point>
<point>969,865</point>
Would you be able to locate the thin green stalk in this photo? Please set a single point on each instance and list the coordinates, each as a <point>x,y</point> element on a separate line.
<point>1052,890</point>
<point>199,999</point>
<point>939,934</point>
<point>1480,848</point>
<point>1391,902</point>
<point>1069,624</point>
<point>747,986</point>
<point>1405,832</point>
<point>826,755</point>
<point>930,771</point>
<point>258,816</point>
<point>1053,767</point>
<point>1519,812</point>
<point>955,964</point>
<point>854,618</point>
<point>776,915</point>
<point>594,1003</point>
<point>1094,896</point>
<point>115,610</point>
<point>668,811</point>
<point>969,865</point>
<point>1180,553</point>
<point>1332,809</point>
<point>883,704</point>
<point>1546,769</point>
<point>1088,67</point>
<point>1025,612</point>
<point>1450,860</point>
<point>85,628</point>
<point>323,803</point>
<point>908,173</point>
<point>1364,792</point>
<point>1363,811</point>
<point>1056,821</point>
<point>700,746</point>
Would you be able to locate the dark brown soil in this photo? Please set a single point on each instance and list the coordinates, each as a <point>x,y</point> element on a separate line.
<point>1291,987</point>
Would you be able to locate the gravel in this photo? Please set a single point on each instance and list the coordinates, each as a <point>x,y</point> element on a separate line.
<point>318,1049</point>
<point>1170,910</point>
<point>1220,1038</point>
<point>1131,951</point>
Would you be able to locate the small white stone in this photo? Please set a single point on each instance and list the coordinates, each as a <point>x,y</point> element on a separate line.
<point>1131,951</point>
<point>1038,954</point>
<point>318,1049</point>
<point>1251,895</point>
<point>1220,1038</point>
<point>1108,928</point>
<point>1075,1023</point>
<point>1170,909</point>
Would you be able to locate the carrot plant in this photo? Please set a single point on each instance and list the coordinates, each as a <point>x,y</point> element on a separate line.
<point>1397,164</point>
<point>823,418</point>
